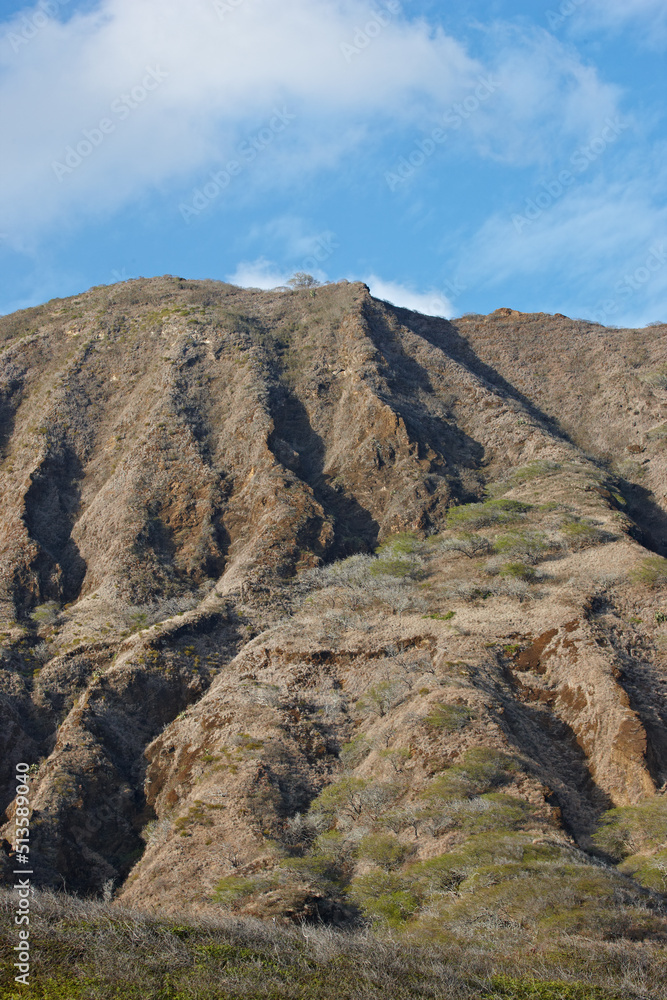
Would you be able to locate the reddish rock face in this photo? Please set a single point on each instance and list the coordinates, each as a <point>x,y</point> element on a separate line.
<point>183,467</point>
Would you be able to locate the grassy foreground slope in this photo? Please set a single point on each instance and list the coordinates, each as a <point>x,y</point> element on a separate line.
<point>93,951</point>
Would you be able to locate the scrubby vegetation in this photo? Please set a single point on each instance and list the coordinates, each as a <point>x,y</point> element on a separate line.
<point>651,572</point>
<point>489,855</point>
<point>92,951</point>
<point>400,576</point>
<point>636,837</point>
<point>492,512</point>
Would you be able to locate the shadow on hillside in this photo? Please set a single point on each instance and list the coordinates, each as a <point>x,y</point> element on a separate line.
<point>7,417</point>
<point>553,747</point>
<point>648,515</point>
<point>51,505</point>
<point>442,334</point>
<point>109,763</point>
<point>406,378</point>
<point>355,528</point>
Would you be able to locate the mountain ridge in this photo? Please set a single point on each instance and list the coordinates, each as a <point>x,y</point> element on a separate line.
<point>242,530</point>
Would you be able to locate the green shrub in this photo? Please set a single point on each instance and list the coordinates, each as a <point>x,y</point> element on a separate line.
<point>328,863</point>
<point>581,533</point>
<point>630,830</point>
<point>384,897</point>
<point>649,871</point>
<point>354,752</point>
<point>480,515</point>
<point>381,697</point>
<point>493,812</point>
<point>344,796</point>
<point>657,433</point>
<point>509,988</point>
<point>383,850</point>
<point>46,614</point>
<point>529,545</point>
<point>505,855</point>
<point>451,718</point>
<point>656,378</point>
<point>553,896</point>
<point>517,571</point>
<point>496,848</point>
<point>402,543</point>
<point>651,572</point>
<point>195,816</point>
<point>397,757</point>
<point>435,876</point>
<point>481,770</point>
<point>234,889</point>
<point>526,473</point>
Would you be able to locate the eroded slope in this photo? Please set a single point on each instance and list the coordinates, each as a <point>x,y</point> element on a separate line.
<point>220,723</point>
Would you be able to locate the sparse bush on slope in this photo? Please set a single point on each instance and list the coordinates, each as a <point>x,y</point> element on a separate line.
<point>467,544</point>
<point>581,533</point>
<point>491,512</point>
<point>530,546</point>
<point>498,866</point>
<point>636,838</point>
<point>651,572</point>
<point>633,829</point>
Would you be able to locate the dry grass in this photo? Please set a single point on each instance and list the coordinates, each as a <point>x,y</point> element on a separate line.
<point>94,951</point>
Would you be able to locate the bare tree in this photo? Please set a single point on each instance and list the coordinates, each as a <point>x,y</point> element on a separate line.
<point>303,280</point>
<point>468,544</point>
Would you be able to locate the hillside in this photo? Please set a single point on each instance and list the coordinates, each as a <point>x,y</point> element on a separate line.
<point>317,609</point>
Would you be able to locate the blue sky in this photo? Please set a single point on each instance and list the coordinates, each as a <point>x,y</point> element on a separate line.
<point>458,157</point>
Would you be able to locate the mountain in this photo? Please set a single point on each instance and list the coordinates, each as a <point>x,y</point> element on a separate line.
<point>314,608</point>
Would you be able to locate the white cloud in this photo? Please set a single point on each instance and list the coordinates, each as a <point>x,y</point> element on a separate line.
<point>431,303</point>
<point>547,98</point>
<point>225,75</point>
<point>260,273</point>
<point>295,241</point>
<point>265,274</point>
<point>649,16</point>
<point>590,237</point>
